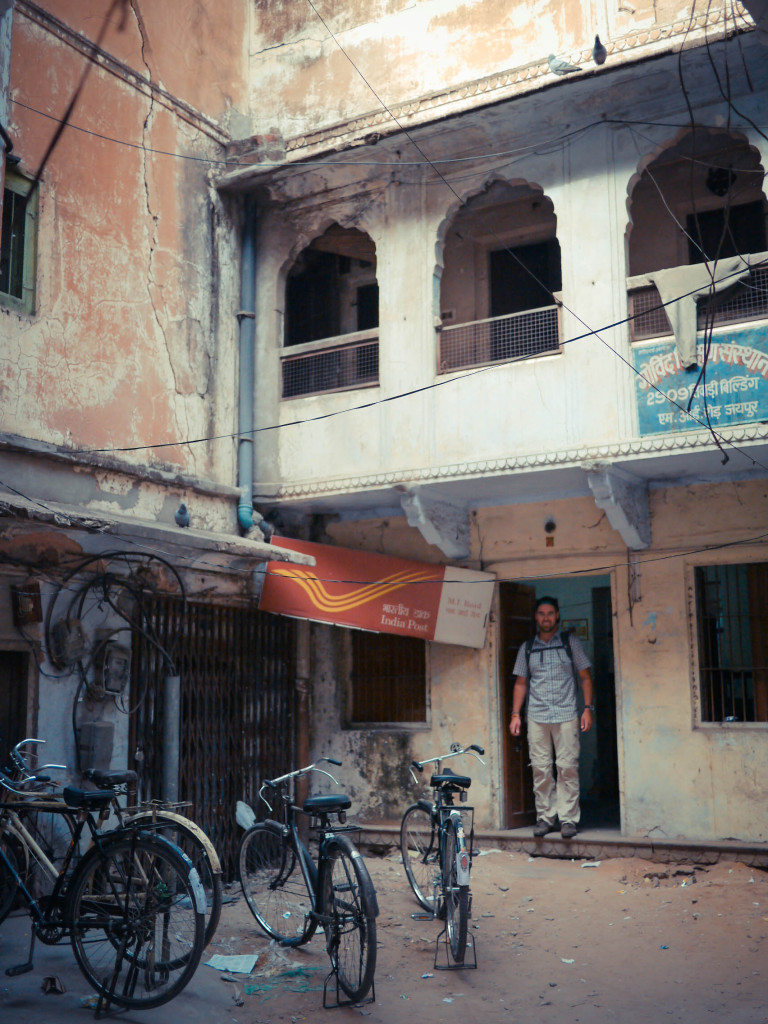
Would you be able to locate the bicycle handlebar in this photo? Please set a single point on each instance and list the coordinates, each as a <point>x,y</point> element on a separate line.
<point>456,749</point>
<point>276,783</point>
<point>11,784</point>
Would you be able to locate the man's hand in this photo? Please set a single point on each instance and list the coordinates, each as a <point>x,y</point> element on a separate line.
<point>586,720</point>
<point>514,725</point>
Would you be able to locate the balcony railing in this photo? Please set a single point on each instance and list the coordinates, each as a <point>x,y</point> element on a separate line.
<point>746,300</point>
<point>499,338</point>
<point>319,367</point>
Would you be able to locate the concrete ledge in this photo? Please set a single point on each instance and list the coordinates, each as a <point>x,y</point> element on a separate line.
<point>591,844</point>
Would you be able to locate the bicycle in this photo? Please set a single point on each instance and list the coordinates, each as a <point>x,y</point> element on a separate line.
<point>290,895</point>
<point>436,855</point>
<point>132,907</point>
<point>152,815</point>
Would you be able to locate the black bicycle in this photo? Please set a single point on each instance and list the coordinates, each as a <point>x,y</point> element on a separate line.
<point>291,896</point>
<point>436,848</point>
<point>133,905</point>
<point>151,816</point>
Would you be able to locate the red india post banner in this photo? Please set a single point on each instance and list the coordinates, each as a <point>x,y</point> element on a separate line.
<point>380,593</point>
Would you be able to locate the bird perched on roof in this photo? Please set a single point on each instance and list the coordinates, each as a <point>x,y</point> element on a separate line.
<point>561,67</point>
<point>599,52</point>
<point>182,515</point>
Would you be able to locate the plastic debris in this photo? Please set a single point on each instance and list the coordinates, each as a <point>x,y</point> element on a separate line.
<point>427,975</point>
<point>591,863</point>
<point>244,814</point>
<point>242,964</point>
<point>563,960</point>
<point>663,947</point>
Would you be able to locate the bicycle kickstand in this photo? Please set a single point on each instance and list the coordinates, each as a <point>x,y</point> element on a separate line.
<point>14,972</point>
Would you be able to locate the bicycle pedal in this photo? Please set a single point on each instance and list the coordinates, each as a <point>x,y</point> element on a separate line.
<point>14,972</point>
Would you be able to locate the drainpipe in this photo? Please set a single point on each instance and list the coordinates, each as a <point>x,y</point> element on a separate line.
<point>171,719</point>
<point>247,319</point>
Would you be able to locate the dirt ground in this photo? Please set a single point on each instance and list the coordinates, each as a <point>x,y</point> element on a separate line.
<point>563,941</point>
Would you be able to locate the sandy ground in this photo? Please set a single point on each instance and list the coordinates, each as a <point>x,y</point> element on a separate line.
<point>625,940</point>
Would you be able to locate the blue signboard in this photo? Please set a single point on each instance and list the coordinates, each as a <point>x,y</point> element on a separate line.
<point>736,382</point>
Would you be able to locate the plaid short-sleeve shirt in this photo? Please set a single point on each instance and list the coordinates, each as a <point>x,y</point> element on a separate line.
<point>552,687</point>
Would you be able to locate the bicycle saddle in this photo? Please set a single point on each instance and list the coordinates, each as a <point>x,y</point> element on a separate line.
<point>93,799</point>
<point>112,777</point>
<point>447,777</point>
<point>327,804</point>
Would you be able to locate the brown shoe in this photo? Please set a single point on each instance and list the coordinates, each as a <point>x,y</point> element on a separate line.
<point>568,830</point>
<point>543,828</point>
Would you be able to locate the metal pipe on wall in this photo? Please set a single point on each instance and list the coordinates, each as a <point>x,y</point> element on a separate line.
<point>171,753</point>
<point>247,319</point>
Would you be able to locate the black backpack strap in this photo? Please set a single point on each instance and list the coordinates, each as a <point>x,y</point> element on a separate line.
<point>567,645</point>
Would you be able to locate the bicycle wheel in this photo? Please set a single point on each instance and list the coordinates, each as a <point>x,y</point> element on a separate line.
<point>8,885</point>
<point>421,855</point>
<point>273,885</point>
<point>135,910</point>
<point>190,839</point>
<point>349,912</point>
<point>456,897</point>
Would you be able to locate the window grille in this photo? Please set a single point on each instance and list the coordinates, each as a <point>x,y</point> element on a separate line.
<point>389,679</point>
<point>732,633</point>
<point>18,244</point>
<point>746,300</point>
<point>339,368</point>
<point>500,338</point>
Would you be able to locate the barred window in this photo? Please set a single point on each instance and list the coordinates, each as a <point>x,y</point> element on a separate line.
<point>389,680</point>
<point>18,243</point>
<point>732,628</point>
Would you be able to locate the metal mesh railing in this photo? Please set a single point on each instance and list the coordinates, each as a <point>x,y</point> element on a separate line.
<point>331,369</point>
<point>746,300</point>
<point>649,317</point>
<point>499,338</point>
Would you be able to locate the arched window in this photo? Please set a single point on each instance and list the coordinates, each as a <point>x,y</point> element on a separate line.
<point>699,201</point>
<point>500,279</point>
<point>332,315</point>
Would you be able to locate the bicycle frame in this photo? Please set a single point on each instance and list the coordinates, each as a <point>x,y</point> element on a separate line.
<point>8,812</point>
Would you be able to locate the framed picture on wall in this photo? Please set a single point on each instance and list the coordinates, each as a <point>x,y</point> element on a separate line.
<point>579,627</point>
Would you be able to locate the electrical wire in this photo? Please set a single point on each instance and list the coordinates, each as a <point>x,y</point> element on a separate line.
<point>426,161</point>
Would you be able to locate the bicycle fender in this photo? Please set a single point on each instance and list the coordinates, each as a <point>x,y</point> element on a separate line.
<point>275,827</point>
<point>462,853</point>
<point>426,805</point>
<point>185,824</point>
<point>369,892</point>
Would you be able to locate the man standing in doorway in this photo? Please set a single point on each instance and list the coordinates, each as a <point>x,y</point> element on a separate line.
<point>549,669</point>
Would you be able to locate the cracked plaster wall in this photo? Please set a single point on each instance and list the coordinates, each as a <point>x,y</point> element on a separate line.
<point>301,79</point>
<point>136,263</point>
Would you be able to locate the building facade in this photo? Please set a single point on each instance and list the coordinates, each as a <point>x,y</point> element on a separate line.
<point>120,289</point>
<point>402,282</point>
<point>515,320</point>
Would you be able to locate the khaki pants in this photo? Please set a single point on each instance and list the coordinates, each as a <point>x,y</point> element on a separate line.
<point>561,798</point>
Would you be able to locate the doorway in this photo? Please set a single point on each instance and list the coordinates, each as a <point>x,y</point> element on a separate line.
<point>585,609</point>
<point>14,698</point>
